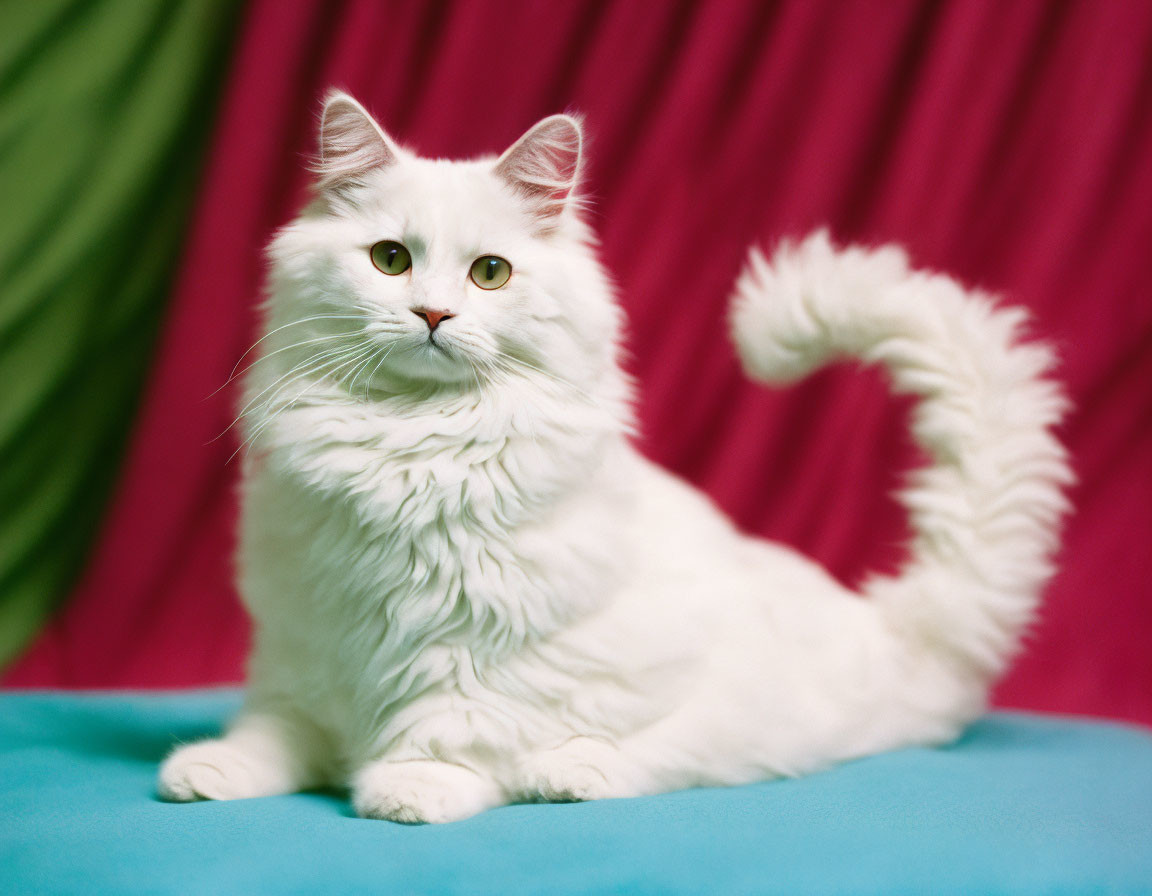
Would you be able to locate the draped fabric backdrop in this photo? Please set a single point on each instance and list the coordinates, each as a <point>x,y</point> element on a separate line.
<point>104,111</point>
<point>1009,144</point>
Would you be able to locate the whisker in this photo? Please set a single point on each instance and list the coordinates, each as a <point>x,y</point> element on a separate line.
<point>360,370</point>
<point>294,323</point>
<point>250,440</point>
<point>557,379</point>
<point>284,349</point>
<point>372,375</point>
<point>327,363</point>
<point>320,357</point>
<point>303,369</point>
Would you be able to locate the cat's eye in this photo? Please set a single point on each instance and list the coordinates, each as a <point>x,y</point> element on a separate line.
<point>490,271</point>
<point>390,257</point>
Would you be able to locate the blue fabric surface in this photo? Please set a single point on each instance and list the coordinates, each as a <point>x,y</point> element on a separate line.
<point>1022,804</point>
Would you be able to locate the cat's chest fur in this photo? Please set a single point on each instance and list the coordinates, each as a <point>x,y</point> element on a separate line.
<point>409,557</point>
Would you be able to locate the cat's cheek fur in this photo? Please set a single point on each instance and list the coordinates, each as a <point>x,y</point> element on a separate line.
<point>479,592</point>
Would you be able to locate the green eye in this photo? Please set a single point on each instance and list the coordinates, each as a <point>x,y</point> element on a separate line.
<point>490,271</point>
<point>391,258</point>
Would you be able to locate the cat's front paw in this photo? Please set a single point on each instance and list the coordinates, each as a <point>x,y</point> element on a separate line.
<point>209,770</point>
<point>421,791</point>
<point>582,769</point>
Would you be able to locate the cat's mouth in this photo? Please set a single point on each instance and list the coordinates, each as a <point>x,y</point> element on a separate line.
<point>413,358</point>
<point>435,357</point>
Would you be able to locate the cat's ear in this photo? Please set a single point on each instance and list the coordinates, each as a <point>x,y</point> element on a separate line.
<point>544,164</point>
<point>351,144</point>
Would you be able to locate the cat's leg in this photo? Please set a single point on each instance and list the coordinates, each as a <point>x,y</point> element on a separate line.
<point>263,754</point>
<point>581,768</point>
<point>422,790</point>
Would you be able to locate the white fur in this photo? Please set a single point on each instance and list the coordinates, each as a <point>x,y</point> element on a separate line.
<point>469,588</point>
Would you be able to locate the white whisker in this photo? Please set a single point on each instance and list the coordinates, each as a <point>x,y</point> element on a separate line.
<point>551,376</point>
<point>331,370</point>
<point>302,369</point>
<point>372,375</point>
<point>288,348</point>
<point>294,323</point>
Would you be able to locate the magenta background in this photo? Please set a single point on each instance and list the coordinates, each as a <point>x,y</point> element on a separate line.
<point>1009,144</point>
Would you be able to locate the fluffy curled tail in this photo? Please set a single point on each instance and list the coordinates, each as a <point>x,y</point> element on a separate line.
<point>986,511</point>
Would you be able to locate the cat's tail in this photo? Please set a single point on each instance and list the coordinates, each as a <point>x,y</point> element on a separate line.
<point>986,511</point>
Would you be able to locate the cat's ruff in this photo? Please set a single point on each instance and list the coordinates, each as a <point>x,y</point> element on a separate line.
<point>469,588</point>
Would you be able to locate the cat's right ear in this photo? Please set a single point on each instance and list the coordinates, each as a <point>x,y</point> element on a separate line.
<point>352,145</point>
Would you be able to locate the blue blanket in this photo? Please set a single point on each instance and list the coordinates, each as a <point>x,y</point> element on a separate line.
<point>1022,804</point>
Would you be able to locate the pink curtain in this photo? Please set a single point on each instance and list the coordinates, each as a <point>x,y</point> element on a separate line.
<point>1009,144</point>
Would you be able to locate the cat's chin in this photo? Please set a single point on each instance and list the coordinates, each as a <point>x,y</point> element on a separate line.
<point>419,369</point>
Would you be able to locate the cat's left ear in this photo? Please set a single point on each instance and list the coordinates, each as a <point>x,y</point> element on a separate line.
<point>544,164</point>
<point>352,144</point>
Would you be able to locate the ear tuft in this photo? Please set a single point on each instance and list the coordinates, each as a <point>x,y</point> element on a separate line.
<point>351,143</point>
<point>544,164</point>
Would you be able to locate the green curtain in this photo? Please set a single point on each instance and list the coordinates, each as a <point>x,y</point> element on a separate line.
<point>104,111</point>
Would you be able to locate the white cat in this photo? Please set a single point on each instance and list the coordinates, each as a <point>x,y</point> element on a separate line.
<point>469,588</point>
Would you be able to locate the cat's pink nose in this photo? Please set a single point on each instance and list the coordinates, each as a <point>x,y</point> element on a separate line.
<point>432,318</point>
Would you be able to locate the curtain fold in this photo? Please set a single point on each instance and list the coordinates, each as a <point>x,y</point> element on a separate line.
<point>104,107</point>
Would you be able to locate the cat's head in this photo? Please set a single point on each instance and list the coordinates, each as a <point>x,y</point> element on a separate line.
<point>442,274</point>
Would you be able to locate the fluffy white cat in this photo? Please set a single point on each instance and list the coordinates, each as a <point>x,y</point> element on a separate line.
<point>469,588</point>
